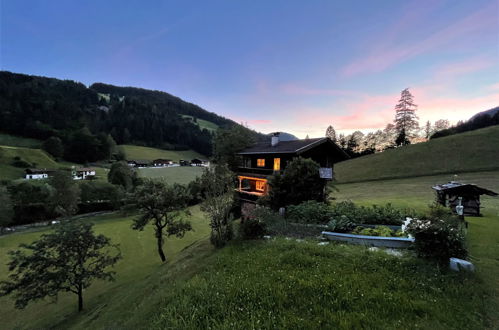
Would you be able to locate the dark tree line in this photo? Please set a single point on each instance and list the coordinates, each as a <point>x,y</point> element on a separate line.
<point>84,118</point>
<point>480,121</point>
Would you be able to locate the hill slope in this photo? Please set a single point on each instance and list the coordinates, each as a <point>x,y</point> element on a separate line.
<point>35,157</point>
<point>467,152</point>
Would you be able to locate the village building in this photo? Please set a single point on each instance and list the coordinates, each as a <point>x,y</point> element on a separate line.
<point>261,161</point>
<point>200,162</point>
<point>162,162</point>
<point>37,174</point>
<point>138,163</point>
<point>452,193</point>
<point>184,162</point>
<point>83,173</point>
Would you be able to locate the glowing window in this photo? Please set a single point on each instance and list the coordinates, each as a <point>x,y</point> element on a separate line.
<point>260,162</point>
<point>277,164</point>
<point>260,185</point>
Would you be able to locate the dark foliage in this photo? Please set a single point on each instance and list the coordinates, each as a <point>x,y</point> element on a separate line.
<point>252,228</point>
<point>54,147</point>
<point>478,122</point>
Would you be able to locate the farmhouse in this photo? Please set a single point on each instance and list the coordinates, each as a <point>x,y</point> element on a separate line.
<point>199,162</point>
<point>83,173</point>
<point>448,194</point>
<point>262,160</point>
<point>37,174</point>
<point>138,163</point>
<point>162,162</point>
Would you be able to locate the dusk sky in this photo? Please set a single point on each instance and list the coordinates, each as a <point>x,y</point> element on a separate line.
<point>294,66</point>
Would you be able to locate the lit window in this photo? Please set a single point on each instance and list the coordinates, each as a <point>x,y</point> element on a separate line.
<point>260,162</point>
<point>277,164</point>
<point>260,185</point>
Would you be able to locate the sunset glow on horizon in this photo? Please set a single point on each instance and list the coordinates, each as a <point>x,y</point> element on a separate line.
<point>289,66</point>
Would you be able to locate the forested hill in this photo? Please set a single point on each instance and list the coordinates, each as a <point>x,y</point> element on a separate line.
<point>40,107</point>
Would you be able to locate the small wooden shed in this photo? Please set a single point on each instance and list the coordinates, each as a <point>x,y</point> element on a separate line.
<point>448,195</point>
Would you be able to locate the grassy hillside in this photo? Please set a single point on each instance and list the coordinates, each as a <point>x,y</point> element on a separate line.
<point>136,279</point>
<point>467,152</point>
<point>17,141</point>
<point>36,157</point>
<point>145,153</point>
<point>181,174</point>
<point>212,127</point>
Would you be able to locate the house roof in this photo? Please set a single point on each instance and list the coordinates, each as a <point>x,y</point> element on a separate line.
<point>291,147</point>
<point>458,186</point>
<point>84,169</point>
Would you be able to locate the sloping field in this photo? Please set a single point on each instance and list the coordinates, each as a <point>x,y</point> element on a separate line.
<point>146,153</point>
<point>467,152</point>
<point>17,141</point>
<point>36,157</point>
<point>212,127</point>
<point>180,174</point>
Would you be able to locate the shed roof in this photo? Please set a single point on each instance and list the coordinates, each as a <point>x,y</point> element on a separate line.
<point>454,186</point>
<point>291,147</point>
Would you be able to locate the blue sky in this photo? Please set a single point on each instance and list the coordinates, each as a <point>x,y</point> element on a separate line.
<point>295,66</point>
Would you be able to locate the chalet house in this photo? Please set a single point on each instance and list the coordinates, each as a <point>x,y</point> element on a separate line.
<point>199,162</point>
<point>183,162</point>
<point>448,194</point>
<point>138,163</point>
<point>37,174</point>
<point>162,162</point>
<point>261,161</point>
<point>83,173</point>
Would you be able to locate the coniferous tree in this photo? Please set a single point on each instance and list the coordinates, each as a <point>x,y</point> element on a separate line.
<point>406,120</point>
<point>331,133</point>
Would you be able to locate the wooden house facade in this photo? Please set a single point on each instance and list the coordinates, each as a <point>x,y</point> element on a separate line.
<point>448,194</point>
<point>263,160</point>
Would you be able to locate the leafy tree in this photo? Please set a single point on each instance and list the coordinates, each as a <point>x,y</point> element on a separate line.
<point>65,195</point>
<point>6,208</point>
<point>121,174</point>
<point>66,260</point>
<point>441,124</point>
<point>331,133</point>
<point>163,205</point>
<point>217,184</point>
<point>299,182</point>
<point>228,142</point>
<point>53,146</point>
<point>406,120</point>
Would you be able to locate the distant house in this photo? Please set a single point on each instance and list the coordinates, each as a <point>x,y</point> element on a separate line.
<point>448,194</point>
<point>162,162</point>
<point>261,161</point>
<point>184,162</point>
<point>138,163</point>
<point>83,173</point>
<point>199,162</point>
<point>37,174</point>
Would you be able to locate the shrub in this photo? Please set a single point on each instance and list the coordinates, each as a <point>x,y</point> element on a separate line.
<point>340,224</point>
<point>309,212</point>
<point>21,163</point>
<point>251,228</point>
<point>383,231</point>
<point>439,236</point>
<point>387,214</point>
<point>274,224</point>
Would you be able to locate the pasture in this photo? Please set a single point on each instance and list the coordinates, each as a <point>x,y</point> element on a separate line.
<point>178,174</point>
<point>146,153</point>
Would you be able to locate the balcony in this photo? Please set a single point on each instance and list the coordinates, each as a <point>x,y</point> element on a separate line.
<point>251,188</point>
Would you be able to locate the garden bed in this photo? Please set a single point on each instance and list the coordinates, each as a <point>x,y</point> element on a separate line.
<point>378,241</point>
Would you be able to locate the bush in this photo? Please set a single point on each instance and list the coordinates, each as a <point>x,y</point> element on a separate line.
<point>251,228</point>
<point>309,212</point>
<point>440,235</point>
<point>21,163</point>
<point>386,215</point>
<point>340,224</point>
<point>383,231</point>
<point>273,223</point>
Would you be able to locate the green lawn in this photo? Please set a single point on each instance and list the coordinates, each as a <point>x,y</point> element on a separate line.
<point>146,153</point>
<point>180,174</point>
<point>467,152</point>
<point>18,141</point>
<point>140,263</point>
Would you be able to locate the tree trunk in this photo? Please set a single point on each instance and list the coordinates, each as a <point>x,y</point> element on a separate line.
<point>80,299</point>
<point>159,237</point>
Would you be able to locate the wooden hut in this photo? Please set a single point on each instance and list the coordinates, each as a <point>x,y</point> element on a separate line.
<point>448,195</point>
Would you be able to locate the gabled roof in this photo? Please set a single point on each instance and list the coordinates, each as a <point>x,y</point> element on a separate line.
<point>290,147</point>
<point>458,186</point>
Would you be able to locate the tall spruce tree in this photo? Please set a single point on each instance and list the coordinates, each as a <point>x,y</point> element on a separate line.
<point>406,120</point>
<point>331,133</point>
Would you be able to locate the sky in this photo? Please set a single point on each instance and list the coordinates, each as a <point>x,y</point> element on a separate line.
<point>293,66</point>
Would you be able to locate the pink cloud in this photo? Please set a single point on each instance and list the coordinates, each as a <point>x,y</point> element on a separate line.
<point>394,52</point>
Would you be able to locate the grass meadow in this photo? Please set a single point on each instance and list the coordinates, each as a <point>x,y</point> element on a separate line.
<point>146,153</point>
<point>179,174</point>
